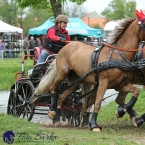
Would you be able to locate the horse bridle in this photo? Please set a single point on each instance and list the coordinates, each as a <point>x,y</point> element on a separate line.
<point>141,26</point>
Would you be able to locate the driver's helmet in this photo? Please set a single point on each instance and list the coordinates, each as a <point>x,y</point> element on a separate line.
<point>61,18</point>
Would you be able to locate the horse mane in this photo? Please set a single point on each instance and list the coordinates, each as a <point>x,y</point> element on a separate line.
<point>119,30</point>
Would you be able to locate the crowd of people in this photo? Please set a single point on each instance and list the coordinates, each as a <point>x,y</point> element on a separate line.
<point>29,45</point>
<point>56,37</point>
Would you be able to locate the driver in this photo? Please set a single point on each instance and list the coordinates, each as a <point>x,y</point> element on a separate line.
<point>55,38</point>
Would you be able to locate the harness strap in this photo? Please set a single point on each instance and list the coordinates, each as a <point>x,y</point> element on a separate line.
<point>122,49</point>
<point>94,58</point>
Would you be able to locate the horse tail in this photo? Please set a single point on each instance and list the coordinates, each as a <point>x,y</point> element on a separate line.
<point>47,79</point>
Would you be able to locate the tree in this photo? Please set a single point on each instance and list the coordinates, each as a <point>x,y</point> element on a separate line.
<point>11,13</point>
<point>8,11</point>
<point>118,9</point>
<point>34,18</point>
<point>74,10</point>
<point>51,5</point>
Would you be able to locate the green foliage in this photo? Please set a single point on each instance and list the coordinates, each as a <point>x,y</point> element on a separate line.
<point>97,26</point>
<point>35,18</point>
<point>55,5</point>
<point>118,9</point>
<point>8,11</point>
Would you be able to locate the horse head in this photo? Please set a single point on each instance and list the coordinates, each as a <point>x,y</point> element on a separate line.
<point>141,22</point>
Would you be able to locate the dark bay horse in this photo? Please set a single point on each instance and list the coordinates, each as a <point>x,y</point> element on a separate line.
<point>138,77</point>
<point>77,56</point>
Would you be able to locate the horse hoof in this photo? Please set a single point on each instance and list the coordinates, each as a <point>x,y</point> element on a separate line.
<point>138,122</point>
<point>120,112</point>
<point>51,114</point>
<point>134,124</point>
<point>96,129</point>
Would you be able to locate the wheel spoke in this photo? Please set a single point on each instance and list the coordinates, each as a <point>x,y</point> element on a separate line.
<point>11,103</point>
<point>24,92</point>
<point>24,95</point>
<point>20,98</point>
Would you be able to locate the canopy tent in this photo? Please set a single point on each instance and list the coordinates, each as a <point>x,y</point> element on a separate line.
<point>8,35</point>
<point>75,27</point>
<point>4,27</point>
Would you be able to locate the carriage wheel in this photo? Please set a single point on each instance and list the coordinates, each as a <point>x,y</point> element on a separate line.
<point>24,108</point>
<point>11,110</point>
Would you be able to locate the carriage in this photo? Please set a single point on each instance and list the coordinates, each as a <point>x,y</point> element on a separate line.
<point>20,103</point>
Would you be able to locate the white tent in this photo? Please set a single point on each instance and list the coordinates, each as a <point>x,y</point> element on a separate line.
<point>4,27</point>
<point>109,27</point>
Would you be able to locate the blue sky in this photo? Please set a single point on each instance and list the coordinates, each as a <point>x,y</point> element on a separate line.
<point>100,5</point>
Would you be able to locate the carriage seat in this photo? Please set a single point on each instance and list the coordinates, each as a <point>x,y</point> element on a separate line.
<point>39,70</point>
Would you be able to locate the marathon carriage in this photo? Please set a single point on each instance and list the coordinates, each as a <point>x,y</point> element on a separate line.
<point>20,103</point>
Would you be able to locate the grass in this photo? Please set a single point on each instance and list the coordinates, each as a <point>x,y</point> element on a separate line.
<point>8,67</point>
<point>116,131</point>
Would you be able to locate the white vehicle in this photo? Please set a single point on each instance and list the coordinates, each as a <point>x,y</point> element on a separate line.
<point>109,27</point>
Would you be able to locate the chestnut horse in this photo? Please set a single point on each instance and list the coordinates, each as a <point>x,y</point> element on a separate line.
<point>77,56</point>
<point>138,78</point>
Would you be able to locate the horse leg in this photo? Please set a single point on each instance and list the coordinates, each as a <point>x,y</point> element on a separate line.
<point>139,121</point>
<point>120,100</point>
<point>86,114</point>
<point>70,79</point>
<point>85,118</point>
<point>128,107</point>
<point>122,110</point>
<point>61,74</point>
<point>61,99</point>
<point>99,96</point>
<point>85,111</point>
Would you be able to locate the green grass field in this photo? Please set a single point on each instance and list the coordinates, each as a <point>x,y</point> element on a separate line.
<point>115,131</point>
<point>8,68</point>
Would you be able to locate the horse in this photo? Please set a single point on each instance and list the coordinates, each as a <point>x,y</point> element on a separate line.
<point>138,77</point>
<point>73,55</point>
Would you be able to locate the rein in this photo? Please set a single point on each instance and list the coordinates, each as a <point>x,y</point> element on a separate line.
<point>115,47</point>
<point>123,49</point>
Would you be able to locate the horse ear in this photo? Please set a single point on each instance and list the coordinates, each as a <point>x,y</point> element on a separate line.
<point>142,12</point>
<point>139,15</point>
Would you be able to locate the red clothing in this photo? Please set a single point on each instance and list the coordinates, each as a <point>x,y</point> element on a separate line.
<point>51,34</point>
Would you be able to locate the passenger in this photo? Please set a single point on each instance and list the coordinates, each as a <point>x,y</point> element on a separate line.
<point>26,46</point>
<point>38,42</point>
<point>55,38</point>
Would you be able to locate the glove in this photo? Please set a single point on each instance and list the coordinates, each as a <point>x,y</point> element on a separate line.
<point>62,39</point>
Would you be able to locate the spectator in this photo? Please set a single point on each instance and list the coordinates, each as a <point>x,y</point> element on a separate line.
<point>32,45</point>
<point>26,46</point>
<point>2,46</point>
<point>38,42</point>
